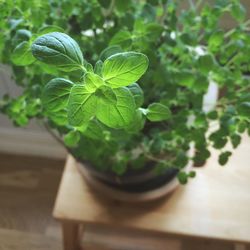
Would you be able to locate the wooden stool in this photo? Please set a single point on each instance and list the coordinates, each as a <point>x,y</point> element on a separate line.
<point>215,205</point>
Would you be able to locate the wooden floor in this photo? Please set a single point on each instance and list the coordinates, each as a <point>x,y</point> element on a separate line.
<point>28,188</point>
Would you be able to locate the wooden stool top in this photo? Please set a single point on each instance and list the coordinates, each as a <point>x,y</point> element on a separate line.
<point>216,204</point>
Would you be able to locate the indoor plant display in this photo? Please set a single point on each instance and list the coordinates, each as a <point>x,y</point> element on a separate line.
<point>130,103</point>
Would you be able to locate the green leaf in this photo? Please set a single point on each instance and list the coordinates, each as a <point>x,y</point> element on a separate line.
<point>49,69</point>
<point>235,139</point>
<point>220,142</point>
<point>158,112</point>
<point>92,82</point>
<point>148,12</point>
<point>122,5</point>
<point>123,69</point>
<point>95,130</point>
<point>72,138</point>
<point>20,36</point>
<point>123,38</point>
<point>244,109</point>
<point>58,49</point>
<point>120,166</point>
<point>22,55</point>
<point>59,117</point>
<point>192,174</point>
<point>212,115</point>
<point>185,78</point>
<point>153,31</point>
<point>242,126</point>
<point>182,177</point>
<point>109,51</point>
<point>201,154</point>
<point>223,157</point>
<point>56,94</point>
<point>137,93</point>
<point>215,40</point>
<point>138,122</point>
<point>88,67</point>
<point>200,84</point>
<point>146,32</point>
<point>82,105</point>
<point>206,63</point>
<point>119,114</point>
<point>21,120</point>
<point>238,11</point>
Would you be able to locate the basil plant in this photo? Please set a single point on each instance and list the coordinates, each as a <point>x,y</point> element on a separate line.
<point>124,88</point>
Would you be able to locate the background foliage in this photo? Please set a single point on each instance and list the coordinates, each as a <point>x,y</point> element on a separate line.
<point>187,49</point>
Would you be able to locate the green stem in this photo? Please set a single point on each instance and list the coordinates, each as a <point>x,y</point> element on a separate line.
<point>108,12</point>
<point>230,32</point>
<point>230,61</point>
<point>243,89</point>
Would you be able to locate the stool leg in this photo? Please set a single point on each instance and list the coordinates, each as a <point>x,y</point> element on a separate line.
<point>70,235</point>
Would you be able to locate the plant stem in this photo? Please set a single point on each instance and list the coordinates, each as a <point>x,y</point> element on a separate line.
<point>230,32</point>
<point>231,60</point>
<point>108,12</point>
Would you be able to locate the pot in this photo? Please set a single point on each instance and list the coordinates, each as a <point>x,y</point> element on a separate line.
<point>136,185</point>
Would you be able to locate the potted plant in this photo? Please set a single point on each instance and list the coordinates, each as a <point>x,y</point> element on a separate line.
<point>130,105</point>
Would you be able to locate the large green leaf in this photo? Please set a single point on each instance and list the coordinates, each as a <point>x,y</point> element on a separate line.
<point>158,112</point>
<point>119,114</point>
<point>22,54</point>
<point>82,105</point>
<point>58,49</point>
<point>56,94</point>
<point>123,69</point>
